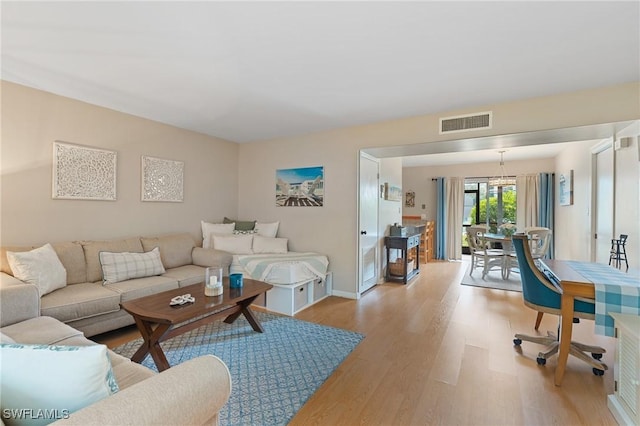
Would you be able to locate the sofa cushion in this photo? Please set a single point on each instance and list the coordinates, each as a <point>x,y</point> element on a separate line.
<point>241,225</point>
<point>6,339</point>
<point>212,257</point>
<point>71,255</point>
<point>4,262</point>
<point>80,301</point>
<point>118,267</point>
<point>41,330</point>
<point>236,244</point>
<point>62,379</point>
<point>209,229</point>
<point>40,266</point>
<point>186,275</point>
<point>127,372</point>
<point>132,289</point>
<point>92,251</point>
<point>269,245</point>
<point>175,250</point>
<point>267,229</point>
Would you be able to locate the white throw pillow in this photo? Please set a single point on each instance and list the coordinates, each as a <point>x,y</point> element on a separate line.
<point>269,245</point>
<point>123,266</point>
<point>267,229</point>
<point>40,266</point>
<point>235,244</point>
<point>209,229</point>
<point>42,383</point>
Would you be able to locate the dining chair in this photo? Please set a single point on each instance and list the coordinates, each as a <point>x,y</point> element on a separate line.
<point>539,241</point>
<point>543,294</point>
<point>618,251</point>
<point>481,254</point>
<point>477,246</point>
<point>509,264</point>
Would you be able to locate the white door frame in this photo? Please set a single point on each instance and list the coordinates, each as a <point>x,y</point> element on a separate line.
<point>601,146</point>
<point>358,248</point>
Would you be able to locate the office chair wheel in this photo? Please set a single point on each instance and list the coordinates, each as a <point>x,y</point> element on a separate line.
<point>517,342</point>
<point>596,356</point>
<point>543,361</point>
<point>598,372</point>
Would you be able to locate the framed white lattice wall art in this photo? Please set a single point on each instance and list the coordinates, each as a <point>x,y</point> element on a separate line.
<point>83,173</point>
<point>162,180</point>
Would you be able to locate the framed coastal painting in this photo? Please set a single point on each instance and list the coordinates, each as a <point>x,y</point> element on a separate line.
<point>83,173</point>
<point>300,187</point>
<point>392,192</point>
<point>565,190</point>
<point>162,180</point>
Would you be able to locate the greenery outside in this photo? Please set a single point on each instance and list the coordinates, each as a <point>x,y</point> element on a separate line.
<point>508,210</point>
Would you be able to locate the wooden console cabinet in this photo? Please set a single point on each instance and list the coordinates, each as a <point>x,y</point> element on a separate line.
<point>409,246</point>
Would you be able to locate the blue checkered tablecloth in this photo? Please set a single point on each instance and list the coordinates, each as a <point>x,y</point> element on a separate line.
<point>616,292</point>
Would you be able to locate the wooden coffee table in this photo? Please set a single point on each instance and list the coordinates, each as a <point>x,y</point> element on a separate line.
<point>158,321</point>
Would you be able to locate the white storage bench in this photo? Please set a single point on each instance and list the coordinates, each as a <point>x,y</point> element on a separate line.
<point>291,299</point>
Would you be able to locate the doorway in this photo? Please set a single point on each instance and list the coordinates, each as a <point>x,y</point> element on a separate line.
<point>368,253</point>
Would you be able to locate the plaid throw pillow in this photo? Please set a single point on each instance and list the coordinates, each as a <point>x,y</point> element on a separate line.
<point>124,266</point>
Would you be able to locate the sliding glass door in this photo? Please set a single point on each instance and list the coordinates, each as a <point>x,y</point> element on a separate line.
<point>489,205</point>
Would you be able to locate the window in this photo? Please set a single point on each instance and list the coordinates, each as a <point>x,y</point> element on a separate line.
<point>501,202</point>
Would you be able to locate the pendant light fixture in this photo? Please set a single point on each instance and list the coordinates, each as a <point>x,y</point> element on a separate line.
<point>503,180</point>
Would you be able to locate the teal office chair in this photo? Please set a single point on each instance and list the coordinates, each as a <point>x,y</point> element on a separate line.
<point>543,294</point>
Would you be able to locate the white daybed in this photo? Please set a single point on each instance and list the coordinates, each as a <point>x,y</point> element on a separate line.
<point>299,279</point>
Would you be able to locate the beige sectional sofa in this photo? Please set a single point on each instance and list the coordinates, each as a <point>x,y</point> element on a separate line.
<point>88,305</point>
<point>189,393</point>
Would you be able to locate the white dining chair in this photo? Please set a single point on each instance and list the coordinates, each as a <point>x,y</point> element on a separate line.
<point>539,241</point>
<point>481,254</point>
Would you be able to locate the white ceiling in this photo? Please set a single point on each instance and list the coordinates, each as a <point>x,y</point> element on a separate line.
<point>251,71</point>
<point>532,152</point>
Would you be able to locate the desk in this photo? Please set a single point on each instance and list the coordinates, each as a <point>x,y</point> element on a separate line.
<point>575,284</point>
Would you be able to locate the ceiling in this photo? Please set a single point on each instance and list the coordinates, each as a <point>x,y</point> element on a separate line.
<point>531,152</point>
<point>253,71</point>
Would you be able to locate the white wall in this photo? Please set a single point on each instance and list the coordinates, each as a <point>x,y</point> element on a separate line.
<point>573,223</point>
<point>572,233</point>
<point>627,191</point>
<point>32,120</point>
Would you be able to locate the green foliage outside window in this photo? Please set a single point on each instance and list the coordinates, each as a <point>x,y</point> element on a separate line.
<point>508,209</point>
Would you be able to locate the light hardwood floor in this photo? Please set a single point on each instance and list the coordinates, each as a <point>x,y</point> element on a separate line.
<point>439,353</point>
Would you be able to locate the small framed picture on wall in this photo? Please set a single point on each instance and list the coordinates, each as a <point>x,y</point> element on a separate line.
<point>565,189</point>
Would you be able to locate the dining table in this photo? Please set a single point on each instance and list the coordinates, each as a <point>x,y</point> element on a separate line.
<point>613,291</point>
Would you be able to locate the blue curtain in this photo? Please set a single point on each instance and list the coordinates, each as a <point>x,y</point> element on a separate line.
<point>441,221</point>
<point>545,207</point>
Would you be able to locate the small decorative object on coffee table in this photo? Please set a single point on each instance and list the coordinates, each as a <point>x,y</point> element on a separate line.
<point>158,321</point>
<point>235,281</point>
<point>213,281</point>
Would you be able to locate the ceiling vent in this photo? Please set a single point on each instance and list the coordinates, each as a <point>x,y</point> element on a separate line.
<point>465,123</point>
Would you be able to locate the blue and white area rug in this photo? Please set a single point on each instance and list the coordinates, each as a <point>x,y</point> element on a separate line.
<point>274,373</point>
<point>492,280</point>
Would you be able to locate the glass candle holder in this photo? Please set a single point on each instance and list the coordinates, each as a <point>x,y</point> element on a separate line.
<point>213,281</point>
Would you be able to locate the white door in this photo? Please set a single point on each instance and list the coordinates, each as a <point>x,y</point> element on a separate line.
<point>368,223</point>
<point>604,204</point>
